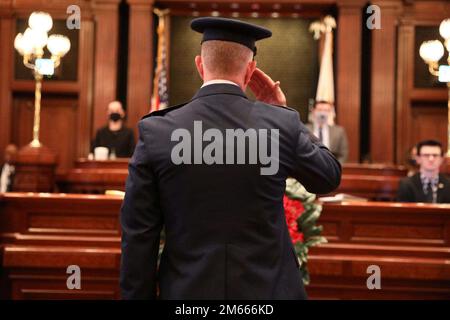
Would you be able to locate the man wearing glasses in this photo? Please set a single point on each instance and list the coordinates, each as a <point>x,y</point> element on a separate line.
<point>428,185</point>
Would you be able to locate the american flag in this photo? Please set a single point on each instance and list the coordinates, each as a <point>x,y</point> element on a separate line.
<point>160,96</point>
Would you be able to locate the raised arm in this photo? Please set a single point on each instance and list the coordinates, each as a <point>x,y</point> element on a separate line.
<point>314,166</point>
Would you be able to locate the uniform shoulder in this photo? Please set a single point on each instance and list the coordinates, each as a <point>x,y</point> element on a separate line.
<point>163,112</point>
<point>276,108</point>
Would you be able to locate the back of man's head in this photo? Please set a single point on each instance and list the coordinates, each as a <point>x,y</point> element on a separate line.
<point>224,59</point>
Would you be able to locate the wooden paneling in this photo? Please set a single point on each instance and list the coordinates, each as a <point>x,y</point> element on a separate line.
<point>410,243</point>
<point>40,272</point>
<point>348,78</point>
<point>365,222</point>
<point>106,47</point>
<point>70,120</point>
<point>412,103</point>
<point>405,62</point>
<point>58,125</point>
<point>384,45</point>
<point>377,188</point>
<point>6,54</point>
<point>95,181</point>
<point>140,60</point>
<point>41,235</point>
<point>119,163</point>
<point>429,122</point>
<point>86,84</point>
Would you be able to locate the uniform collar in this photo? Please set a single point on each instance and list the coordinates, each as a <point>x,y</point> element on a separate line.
<point>219,88</point>
<point>217,81</point>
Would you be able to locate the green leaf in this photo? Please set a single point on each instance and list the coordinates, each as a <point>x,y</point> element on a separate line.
<point>309,217</point>
<point>314,241</point>
<point>312,231</point>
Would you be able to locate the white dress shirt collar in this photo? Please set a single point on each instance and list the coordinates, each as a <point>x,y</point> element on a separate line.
<point>217,81</point>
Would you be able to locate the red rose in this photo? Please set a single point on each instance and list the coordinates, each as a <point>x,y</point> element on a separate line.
<point>293,209</point>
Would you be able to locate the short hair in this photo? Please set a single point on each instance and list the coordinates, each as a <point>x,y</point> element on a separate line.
<point>119,103</point>
<point>223,58</point>
<point>429,143</point>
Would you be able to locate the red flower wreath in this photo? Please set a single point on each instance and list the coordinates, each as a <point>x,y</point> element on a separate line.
<point>293,210</point>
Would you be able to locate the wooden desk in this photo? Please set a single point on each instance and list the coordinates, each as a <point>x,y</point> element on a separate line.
<point>119,163</point>
<point>371,181</point>
<point>374,169</point>
<point>409,242</point>
<point>42,234</point>
<point>94,176</point>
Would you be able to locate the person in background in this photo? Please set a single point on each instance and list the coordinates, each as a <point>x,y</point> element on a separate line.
<point>428,185</point>
<point>411,163</point>
<point>7,169</point>
<point>330,134</point>
<point>115,135</point>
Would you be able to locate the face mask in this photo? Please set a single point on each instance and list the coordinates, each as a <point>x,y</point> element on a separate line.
<point>322,117</point>
<point>115,116</point>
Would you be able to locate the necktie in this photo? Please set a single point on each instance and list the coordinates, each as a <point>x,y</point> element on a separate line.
<point>320,134</point>
<point>429,195</point>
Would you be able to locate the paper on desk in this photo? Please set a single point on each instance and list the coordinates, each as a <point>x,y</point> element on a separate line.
<point>341,197</point>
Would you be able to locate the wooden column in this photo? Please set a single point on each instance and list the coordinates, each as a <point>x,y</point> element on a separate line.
<point>384,40</point>
<point>106,47</point>
<point>6,54</point>
<point>86,80</point>
<point>140,60</point>
<point>405,77</point>
<point>348,93</point>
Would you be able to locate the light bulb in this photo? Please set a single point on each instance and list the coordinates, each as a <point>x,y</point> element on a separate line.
<point>27,42</point>
<point>431,51</point>
<point>18,43</point>
<point>444,29</point>
<point>40,21</point>
<point>58,45</point>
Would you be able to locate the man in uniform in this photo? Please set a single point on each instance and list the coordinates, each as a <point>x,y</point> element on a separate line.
<point>212,172</point>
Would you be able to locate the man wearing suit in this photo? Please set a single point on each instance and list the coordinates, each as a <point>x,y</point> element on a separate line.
<point>330,134</point>
<point>204,171</point>
<point>7,169</point>
<point>428,185</point>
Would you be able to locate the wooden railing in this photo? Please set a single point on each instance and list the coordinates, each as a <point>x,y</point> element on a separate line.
<point>42,234</point>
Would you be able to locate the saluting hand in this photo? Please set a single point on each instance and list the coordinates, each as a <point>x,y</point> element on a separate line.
<point>265,89</point>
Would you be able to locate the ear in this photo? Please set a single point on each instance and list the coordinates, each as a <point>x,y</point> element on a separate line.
<point>251,66</point>
<point>441,161</point>
<point>199,65</point>
<point>418,159</point>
